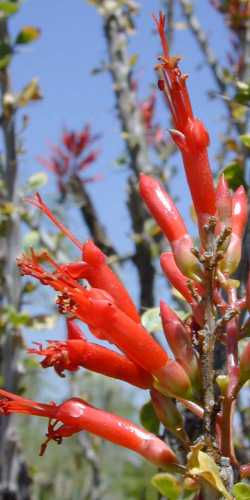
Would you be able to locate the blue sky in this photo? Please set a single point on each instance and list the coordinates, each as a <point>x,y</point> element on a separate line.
<point>71,45</point>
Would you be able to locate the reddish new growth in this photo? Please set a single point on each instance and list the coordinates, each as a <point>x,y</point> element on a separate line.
<point>203,278</point>
<point>72,157</point>
<point>154,132</point>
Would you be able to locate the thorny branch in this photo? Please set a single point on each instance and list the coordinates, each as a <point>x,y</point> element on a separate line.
<point>202,40</point>
<point>116,28</point>
<point>12,466</point>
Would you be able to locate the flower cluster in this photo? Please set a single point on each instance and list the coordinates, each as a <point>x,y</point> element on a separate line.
<point>202,276</point>
<point>72,157</point>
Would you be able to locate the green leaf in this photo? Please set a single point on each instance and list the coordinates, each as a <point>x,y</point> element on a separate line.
<point>241,491</point>
<point>204,466</point>
<point>42,321</point>
<point>31,92</point>
<point>5,55</point>
<point>36,181</point>
<point>234,174</point>
<point>149,419</point>
<point>167,485</point>
<point>27,34</point>
<point>245,139</point>
<point>9,8</point>
<point>133,59</point>
<point>243,93</point>
<point>151,320</point>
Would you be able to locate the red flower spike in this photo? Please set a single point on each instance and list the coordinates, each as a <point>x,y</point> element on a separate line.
<point>170,221</point>
<point>190,135</point>
<point>180,343</point>
<point>76,415</point>
<point>98,309</point>
<point>95,269</point>
<point>74,354</point>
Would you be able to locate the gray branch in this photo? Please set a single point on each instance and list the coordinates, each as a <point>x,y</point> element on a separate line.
<point>13,471</point>
<point>116,28</point>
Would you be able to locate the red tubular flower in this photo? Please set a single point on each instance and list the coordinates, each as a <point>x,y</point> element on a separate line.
<point>77,415</point>
<point>180,343</point>
<point>190,135</point>
<point>239,220</point>
<point>98,310</point>
<point>74,354</point>
<point>169,219</point>
<point>132,339</point>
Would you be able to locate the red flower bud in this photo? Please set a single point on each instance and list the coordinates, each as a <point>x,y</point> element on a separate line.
<point>239,219</point>
<point>223,204</point>
<point>172,380</point>
<point>175,276</point>
<point>168,413</point>
<point>177,279</point>
<point>162,208</point>
<point>99,275</point>
<point>180,343</point>
<point>190,134</point>
<point>167,216</point>
<point>239,211</point>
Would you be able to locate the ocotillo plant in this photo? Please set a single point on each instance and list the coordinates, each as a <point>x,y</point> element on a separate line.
<point>206,467</point>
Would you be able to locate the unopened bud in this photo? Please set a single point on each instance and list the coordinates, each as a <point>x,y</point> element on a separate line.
<point>169,415</point>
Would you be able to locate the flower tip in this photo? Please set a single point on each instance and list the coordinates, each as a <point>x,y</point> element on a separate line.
<point>92,254</point>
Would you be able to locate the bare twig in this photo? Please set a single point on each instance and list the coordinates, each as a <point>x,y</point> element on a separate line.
<point>202,40</point>
<point>116,34</point>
